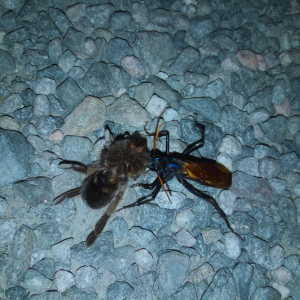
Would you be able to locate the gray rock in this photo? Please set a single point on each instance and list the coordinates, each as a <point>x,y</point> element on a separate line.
<point>69,94</point>
<point>118,112</point>
<point>73,40</point>
<point>145,238</point>
<point>118,49</point>
<point>287,210</point>
<point>76,293</point>
<point>278,94</point>
<point>201,27</point>
<point>28,97</point>
<point>259,252</point>
<point>196,79</point>
<point>172,269</point>
<point>34,191</point>
<point>45,235</point>
<point>11,103</point>
<point>60,20</point>
<point>270,231</point>
<point>214,89</point>
<point>45,125</point>
<point>17,292</point>
<point>53,72</point>
<point>7,63</point>
<point>185,61</point>
<point>142,93</point>
<point>63,280</point>
<point>297,143</point>
<point>49,295</point>
<point>20,256</point>
<point>46,267</point>
<point>36,57</point>
<point>277,135</point>
<point>222,286</point>
<point>248,165</point>
<point>154,48</point>
<point>269,167</point>
<point>120,20</point>
<point>44,86</point>
<point>19,35</point>
<point>187,291</point>
<point>208,108</point>
<point>15,154</point>
<point>97,80</point>
<point>154,217</point>
<point>266,293</point>
<point>119,290</point>
<point>85,277</point>
<point>242,275</point>
<point>46,27</point>
<point>263,98</point>
<point>163,90</point>
<point>208,65</point>
<point>24,115</point>
<point>256,189</point>
<point>76,148</point>
<point>97,253</point>
<point>243,223</point>
<point>219,261</point>
<point>99,15</point>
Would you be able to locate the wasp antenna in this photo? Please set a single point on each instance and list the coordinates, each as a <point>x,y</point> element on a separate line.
<point>162,184</point>
<point>156,137</point>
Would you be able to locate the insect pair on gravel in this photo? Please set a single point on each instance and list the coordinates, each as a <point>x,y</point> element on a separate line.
<point>128,157</point>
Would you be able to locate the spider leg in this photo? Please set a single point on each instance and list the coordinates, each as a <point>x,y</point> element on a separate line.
<point>69,194</point>
<point>109,211</point>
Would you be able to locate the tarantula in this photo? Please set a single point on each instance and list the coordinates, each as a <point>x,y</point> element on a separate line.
<point>121,159</point>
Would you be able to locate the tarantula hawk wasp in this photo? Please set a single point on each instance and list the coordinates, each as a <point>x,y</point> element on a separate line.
<point>125,157</point>
<point>183,166</point>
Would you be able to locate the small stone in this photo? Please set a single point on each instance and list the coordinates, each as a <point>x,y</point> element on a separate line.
<point>231,146</point>
<point>184,238</point>
<point>226,200</point>
<point>36,282</point>
<point>248,59</point>
<point>281,275</point>
<point>284,108</point>
<point>9,123</point>
<point>211,235</point>
<point>56,136</point>
<point>41,105</point>
<point>90,112</point>
<point>133,66</point>
<point>85,277</point>
<point>232,244</point>
<point>44,86</point>
<point>203,272</point>
<point>277,256</point>
<point>156,106</point>
<point>11,103</point>
<point>144,259</point>
<point>185,218</point>
<point>63,280</point>
<point>66,61</point>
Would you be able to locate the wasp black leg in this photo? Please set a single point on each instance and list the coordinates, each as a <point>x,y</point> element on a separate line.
<point>144,199</point>
<point>208,199</point>
<point>198,144</point>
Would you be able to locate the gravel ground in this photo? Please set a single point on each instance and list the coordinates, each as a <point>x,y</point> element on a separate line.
<point>69,69</point>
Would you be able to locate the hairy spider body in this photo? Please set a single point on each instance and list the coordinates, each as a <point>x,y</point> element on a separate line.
<point>107,180</point>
